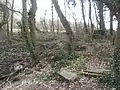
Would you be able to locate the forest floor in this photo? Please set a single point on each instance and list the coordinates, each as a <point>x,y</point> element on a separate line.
<point>92,54</point>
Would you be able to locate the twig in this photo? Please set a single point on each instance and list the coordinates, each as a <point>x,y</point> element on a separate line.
<point>5,82</point>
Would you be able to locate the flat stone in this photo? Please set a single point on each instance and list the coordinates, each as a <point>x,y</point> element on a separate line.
<point>68,75</point>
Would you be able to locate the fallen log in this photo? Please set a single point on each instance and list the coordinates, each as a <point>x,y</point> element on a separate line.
<point>11,74</point>
<point>97,71</point>
<point>3,77</point>
<point>91,74</point>
<point>94,73</point>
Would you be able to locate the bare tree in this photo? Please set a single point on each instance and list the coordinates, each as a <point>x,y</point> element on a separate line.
<point>111,22</point>
<point>66,25</point>
<point>90,10</point>
<point>65,7</point>
<point>74,17</point>
<point>58,25</point>
<point>101,17</point>
<point>96,15</point>
<point>44,24</point>
<point>8,33</point>
<point>83,14</point>
<point>12,13</point>
<point>5,15</point>
<point>53,29</point>
<point>4,20</point>
<point>25,32</point>
<point>31,20</point>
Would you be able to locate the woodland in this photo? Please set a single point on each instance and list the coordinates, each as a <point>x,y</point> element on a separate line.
<point>57,53</point>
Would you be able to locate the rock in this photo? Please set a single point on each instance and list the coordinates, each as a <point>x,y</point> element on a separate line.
<point>68,75</point>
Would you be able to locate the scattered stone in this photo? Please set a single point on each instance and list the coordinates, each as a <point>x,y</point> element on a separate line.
<point>68,75</point>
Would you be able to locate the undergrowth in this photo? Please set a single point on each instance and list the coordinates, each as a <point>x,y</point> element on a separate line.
<point>112,78</point>
<point>62,59</point>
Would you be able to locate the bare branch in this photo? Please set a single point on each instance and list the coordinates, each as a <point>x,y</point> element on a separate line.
<point>14,11</point>
<point>3,7</point>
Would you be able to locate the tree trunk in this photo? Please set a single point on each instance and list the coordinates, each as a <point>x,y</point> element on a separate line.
<point>83,14</point>
<point>58,26</point>
<point>100,8</point>
<point>90,15</point>
<point>76,29</point>
<point>75,23</point>
<point>66,25</point>
<point>44,23</point>
<point>8,34</point>
<point>116,56</point>
<point>96,16</point>
<point>65,7</point>
<point>4,20</point>
<point>31,21</point>
<point>52,18</point>
<point>111,22</point>
<point>25,23</point>
<point>117,40</point>
<point>5,15</point>
<point>26,32</point>
<point>12,12</point>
